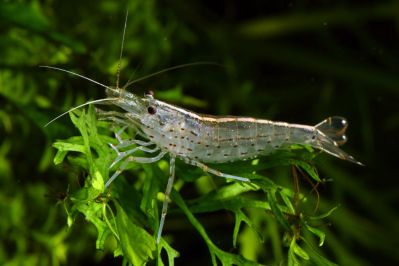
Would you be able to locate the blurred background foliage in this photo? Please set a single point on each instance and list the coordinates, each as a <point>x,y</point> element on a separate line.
<point>296,61</point>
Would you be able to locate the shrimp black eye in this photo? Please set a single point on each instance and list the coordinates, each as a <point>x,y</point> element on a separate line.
<point>151,110</point>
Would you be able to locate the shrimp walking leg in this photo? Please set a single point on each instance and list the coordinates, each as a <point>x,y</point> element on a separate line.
<point>124,154</point>
<point>115,120</point>
<point>167,196</point>
<point>109,114</point>
<point>119,133</point>
<point>126,143</point>
<point>207,169</point>
<point>113,116</point>
<point>137,142</point>
<point>134,159</point>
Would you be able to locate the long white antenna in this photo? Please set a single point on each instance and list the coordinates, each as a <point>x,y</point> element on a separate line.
<point>120,55</point>
<point>79,106</point>
<point>75,74</point>
<point>171,68</point>
<point>91,80</point>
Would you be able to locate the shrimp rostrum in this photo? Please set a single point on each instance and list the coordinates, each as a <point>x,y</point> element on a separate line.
<point>201,139</point>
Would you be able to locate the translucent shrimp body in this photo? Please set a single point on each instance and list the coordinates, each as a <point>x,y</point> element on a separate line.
<point>212,139</point>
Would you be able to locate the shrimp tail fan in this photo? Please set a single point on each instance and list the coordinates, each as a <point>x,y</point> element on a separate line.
<point>332,135</point>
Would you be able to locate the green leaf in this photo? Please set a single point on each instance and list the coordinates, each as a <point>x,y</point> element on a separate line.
<point>93,213</point>
<point>98,181</point>
<point>324,215</point>
<point>320,234</point>
<point>172,253</point>
<point>59,157</point>
<point>265,183</point>
<point>65,146</point>
<point>292,260</point>
<point>84,196</point>
<point>102,235</point>
<point>151,187</point>
<point>239,218</point>
<point>271,196</point>
<point>137,244</point>
<point>316,257</point>
<point>311,170</point>
<point>287,202</point>
<point>298,250</point>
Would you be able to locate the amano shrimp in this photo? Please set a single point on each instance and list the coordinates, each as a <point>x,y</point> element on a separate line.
<point>199,140</point>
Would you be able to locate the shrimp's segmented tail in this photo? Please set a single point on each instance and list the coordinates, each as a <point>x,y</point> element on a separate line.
<point>333,135</point>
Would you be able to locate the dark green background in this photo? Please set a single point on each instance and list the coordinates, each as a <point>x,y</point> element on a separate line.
<point>295,61</point>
